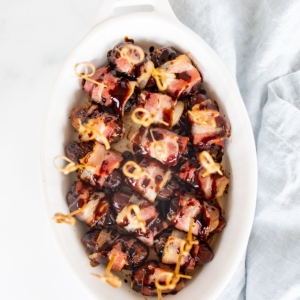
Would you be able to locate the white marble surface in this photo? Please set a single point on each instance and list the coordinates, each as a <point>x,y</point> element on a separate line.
<point>35,39</point>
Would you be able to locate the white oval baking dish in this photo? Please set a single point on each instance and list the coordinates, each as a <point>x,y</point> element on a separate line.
<point>151,23</point>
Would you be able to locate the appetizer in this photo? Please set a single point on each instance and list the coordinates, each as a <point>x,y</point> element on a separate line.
<point>148,161</point>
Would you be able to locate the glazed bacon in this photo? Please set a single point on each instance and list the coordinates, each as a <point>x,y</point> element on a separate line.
<point>144,278</point>
<point>150,185</point>
<point>185,207</point>
<point>187,78</point>
<point>103,244</point>
<point>98,163</point>
<point>116,92</point>
<point>96,211</point>
<point>112,177</point>
<point>154,222</point>
<point>211,186</point>
<point>96,118</point>
<point>160,105</point>
<point>174,145</point>
<point>212,130</point>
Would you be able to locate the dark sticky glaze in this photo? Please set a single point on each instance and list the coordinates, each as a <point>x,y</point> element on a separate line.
<point>114,180</point>
<point>162,55</point>
<point>143,280</point>
<point>169,190</point>
<point>203,220</point>
<point>161,240</point>
<point>135,251</point>
<point>120,199</point>
<point>75,150</point>
<point>163,207</point>
<point>81,194</point>
<point>120,95</point>
<point>204,253</point>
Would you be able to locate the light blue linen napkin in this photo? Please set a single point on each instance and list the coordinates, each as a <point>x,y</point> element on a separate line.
<point>259,41</point>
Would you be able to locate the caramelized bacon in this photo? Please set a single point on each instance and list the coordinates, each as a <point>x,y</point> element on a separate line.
<point>93,115</point>
<point>76,151</point>
<point>160,105</point>
<point>99,163</point>
<point>206,134</point>
<point>144,278</point>
<point>154,223</point>
<point>103,244</point>
<point>97,210</point>
<point>174,144</point>
<point>117,92</point>
<point>187,80</point>
<point>150,184</point>
<point>211,186</point>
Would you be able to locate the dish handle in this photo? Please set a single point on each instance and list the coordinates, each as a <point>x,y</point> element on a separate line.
<point>113,8</point>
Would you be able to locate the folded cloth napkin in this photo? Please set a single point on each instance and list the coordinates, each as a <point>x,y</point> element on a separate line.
<point>259,41</point>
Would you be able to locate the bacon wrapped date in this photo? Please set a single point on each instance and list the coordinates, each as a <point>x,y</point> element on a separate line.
<point>184,207</point>
<point>145,139</point>
<point>167,245</point>
<point>100,165</point>
<point>144,278</point>
<point>96,211</point>
<point>150,184</point>
<point>210,187</point>
<point>90,120</point>
<point>113,92</point>
<point>154,222</point>
<point>103,244</point>
<point>187,79</point>
<point>136,64</point>
<point>208,127</point>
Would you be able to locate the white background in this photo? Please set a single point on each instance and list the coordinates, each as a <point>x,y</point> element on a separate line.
<point>35,39</point>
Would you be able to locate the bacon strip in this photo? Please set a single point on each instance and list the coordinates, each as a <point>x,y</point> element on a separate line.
<point>99,164</point>
<point>187,79</point>
<point>150,185</point>
<point>160,105</point>
<point>97,210</point>
<point>174,144</point>
<point>154,223</point>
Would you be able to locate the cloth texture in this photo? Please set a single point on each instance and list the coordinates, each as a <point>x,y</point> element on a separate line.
<point>259,42</point>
